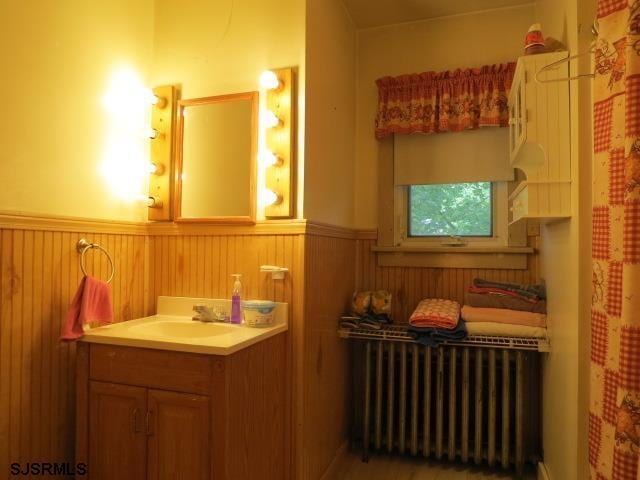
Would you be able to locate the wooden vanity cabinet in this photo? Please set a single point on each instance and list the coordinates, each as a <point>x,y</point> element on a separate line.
<point>154,414</point>
<point>116,439</point>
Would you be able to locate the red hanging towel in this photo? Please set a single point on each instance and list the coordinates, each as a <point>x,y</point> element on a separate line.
<point>92,302</point>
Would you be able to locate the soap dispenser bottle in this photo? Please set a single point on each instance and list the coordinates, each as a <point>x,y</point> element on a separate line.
<point>236,312</point>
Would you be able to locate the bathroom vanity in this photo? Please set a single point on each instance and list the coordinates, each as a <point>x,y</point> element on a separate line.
<point>168,397</point>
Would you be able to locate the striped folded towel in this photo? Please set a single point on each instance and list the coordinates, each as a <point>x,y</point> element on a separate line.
<point>436,313</point>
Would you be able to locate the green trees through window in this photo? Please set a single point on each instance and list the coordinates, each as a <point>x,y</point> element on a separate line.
<point>462,209</point>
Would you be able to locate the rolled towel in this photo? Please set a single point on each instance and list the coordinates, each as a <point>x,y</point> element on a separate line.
<point>502,315</point>
<point>491,300</point>
<point>505,330</point>
<point>436,313</point>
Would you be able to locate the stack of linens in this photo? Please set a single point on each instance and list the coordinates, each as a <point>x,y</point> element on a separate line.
<point>436,320</point>
<point>505,309</point>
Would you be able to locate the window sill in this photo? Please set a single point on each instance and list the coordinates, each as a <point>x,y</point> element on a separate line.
<point>513,258</point>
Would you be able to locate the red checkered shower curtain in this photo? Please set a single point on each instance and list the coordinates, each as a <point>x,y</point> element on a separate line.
<point>614,409</point>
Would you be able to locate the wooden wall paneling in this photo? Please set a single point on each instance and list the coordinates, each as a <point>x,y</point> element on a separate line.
<point>329,282</point>
<point>39,274</point>
<point>82,403</point>
<point>409,285</point>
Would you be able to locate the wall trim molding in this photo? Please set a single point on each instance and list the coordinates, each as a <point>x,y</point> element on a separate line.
<point>28,221</point>
<point>267,227</point>
<point>59,223</point>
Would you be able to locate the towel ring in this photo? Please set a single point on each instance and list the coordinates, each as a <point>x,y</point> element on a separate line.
<point>83,246</point>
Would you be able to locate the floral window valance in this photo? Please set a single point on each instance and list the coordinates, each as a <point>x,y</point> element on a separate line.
<point>452,101</point>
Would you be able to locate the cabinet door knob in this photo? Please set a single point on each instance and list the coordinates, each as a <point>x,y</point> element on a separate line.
<point>147,423</point>
<point>135,420</point>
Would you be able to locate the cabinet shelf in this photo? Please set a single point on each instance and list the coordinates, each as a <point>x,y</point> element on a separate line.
<point>539,141</point>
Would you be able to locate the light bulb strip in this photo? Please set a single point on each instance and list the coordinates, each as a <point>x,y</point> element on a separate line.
<point>162,123</point>
<point>280,138</point>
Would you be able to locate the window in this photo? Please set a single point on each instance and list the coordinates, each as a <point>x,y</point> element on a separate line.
<point>460,209</point>
<point>426,215</point>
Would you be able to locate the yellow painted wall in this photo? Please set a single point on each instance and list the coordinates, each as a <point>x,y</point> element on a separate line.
<point>566,265</point>
<point>330,114</point>
<point>215,47</point>
<point>439,44</point>
<point>57,60</point>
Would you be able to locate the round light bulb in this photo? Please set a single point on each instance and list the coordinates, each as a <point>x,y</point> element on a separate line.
<point>269,197</point>
<point>152,133</point>
<point>270,119</point>
<point>269,80</point>
<point>269,158</point>
<point>156,168</point>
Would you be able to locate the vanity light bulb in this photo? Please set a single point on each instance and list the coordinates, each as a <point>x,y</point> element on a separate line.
<point>152,133</point>
<point>269,159</point>
<point>269,80</point>
<point>270,119</point>
<point>156,168</point>
<point>154,202</point>
<point>154,99</point>
<point>269,197</point>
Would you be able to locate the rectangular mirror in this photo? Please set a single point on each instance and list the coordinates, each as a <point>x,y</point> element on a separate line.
<point>216,159</point>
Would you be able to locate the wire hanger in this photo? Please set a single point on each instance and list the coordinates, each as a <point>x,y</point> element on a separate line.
<point>555,64</point>
<point>595,30</point>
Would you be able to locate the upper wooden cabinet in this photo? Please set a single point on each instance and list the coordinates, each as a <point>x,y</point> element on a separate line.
<point>539,139</point>
<point>155,414</point>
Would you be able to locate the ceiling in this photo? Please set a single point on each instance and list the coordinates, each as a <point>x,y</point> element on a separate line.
<point>375,13</point>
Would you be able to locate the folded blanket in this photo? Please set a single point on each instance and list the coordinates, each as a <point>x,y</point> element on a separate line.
<point>436,313</point>
<point>502,315</point>
<point>432,337</point>
<point>535,291</point>
<point>502,292</point>
<point>492,300</point>
<point>505,330</point>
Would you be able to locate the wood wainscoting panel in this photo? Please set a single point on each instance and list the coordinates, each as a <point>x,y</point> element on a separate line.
<point>409,285</point>
<point>39,274</point>
<point>201,266</point>
<point>329,283</point>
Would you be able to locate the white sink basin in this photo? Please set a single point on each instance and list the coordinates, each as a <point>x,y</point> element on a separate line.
<point>176,329</point>
<point>173,329</point>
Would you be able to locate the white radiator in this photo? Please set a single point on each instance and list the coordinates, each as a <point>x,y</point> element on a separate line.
<point>464,403</point>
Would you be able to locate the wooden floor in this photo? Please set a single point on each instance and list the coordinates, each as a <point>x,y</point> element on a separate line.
<point>382,467</point>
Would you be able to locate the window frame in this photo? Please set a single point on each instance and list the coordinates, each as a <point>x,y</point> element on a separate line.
<point>499,218</point>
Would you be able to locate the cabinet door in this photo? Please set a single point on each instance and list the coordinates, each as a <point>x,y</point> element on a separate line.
<point>179,436</point>
<point>117,442</point>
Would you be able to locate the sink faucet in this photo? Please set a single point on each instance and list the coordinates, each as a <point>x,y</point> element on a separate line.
<point>208,314</point>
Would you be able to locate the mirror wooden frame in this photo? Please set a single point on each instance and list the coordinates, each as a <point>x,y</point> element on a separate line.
<point>229,220</point>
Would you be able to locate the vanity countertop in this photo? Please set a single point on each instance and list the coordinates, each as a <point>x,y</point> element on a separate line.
<point>173,329</point>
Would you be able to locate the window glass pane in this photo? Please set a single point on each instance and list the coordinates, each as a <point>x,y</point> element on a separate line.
<point>462,209</point>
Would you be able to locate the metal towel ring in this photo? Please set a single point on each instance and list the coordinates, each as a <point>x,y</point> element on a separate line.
<point>83,246</point>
